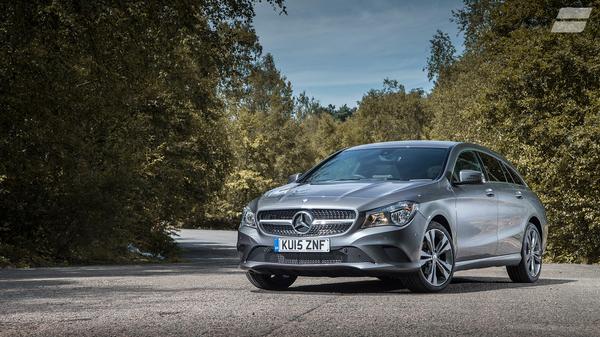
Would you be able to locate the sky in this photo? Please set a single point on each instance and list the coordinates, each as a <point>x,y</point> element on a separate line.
<point>337,50</point>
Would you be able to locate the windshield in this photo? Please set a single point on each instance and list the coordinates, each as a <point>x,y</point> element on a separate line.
<point>403,164</point>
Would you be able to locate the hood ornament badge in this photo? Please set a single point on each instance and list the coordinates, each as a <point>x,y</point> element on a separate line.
<point>302,221</point>
<point>304,200</point>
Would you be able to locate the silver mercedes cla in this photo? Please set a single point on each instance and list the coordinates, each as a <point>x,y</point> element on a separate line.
<point>411,212</point>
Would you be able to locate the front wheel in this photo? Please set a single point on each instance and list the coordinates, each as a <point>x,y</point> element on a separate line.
<point>270,281</point>
<point>437,261</point>
<point>530,267</point>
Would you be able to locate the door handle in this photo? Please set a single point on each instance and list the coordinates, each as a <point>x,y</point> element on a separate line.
<point>489,192</point>
<point>519,195</point>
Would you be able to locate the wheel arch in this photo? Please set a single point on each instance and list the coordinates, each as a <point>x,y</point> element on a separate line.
<point>542,228</point>
<point>443,213</point>
<point>536,222</point>
<point>439,218</point>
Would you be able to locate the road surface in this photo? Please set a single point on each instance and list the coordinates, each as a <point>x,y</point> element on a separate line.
<point>210,296</point>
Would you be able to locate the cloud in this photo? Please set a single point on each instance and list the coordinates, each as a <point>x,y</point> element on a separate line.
<point>323,47</point>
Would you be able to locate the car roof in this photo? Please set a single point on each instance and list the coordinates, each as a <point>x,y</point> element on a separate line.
<point>407,143</point>
<point>430,144</point>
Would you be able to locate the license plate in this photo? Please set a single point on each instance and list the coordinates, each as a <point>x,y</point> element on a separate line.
<point>282,245</point>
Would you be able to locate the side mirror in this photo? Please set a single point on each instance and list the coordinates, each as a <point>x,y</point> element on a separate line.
<point>293,178</point>
<point>467,177</point>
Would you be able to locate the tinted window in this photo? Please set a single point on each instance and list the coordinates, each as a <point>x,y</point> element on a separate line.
<point>507,174</point>
<point>514,175</point>
<point>493,168</point>
<point>382,164</point>
<point>466,161</point>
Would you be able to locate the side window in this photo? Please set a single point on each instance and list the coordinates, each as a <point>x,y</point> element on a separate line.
<point>466,161</point>
<point>507,174</point>
<point>516,178</point>
<point>493,168</point>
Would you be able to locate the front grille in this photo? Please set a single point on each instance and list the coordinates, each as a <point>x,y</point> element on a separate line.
<point>318,214</point>
<point>326,222</point>
<point>344,255</point>
<point>315,230</point>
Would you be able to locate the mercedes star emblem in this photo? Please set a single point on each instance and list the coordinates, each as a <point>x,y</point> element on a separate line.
<point>302,222</point>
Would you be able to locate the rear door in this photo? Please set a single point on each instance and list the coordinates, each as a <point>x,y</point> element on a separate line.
<point>476,213</point>
<point>515,205</point>
<point>510,205</point>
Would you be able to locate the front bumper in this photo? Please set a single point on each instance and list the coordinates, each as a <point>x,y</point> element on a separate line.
<point>375,251</point>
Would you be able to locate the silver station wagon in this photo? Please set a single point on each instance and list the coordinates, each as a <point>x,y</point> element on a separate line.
<point>411,212</point>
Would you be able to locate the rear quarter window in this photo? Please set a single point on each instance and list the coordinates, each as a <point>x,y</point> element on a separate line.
<point>493,168</point>
<point>515,176</point>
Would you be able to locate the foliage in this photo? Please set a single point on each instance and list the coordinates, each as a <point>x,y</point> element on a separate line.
<point>387,114</point>
<point>474,19</point>
<point>264,142</point>
<point>441,56</point>
<point>533,96</point>
<point>305,106</point>
<point>123,120</point>
<point>274,135</point>
<point>111,124</point>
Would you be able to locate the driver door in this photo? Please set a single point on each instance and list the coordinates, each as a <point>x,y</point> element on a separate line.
<point>476,212</point>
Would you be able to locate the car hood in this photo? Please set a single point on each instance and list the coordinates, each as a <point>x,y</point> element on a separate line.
<point>355,195</point>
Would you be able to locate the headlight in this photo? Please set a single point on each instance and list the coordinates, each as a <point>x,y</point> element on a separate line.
<point>248,218</point>
<point>398,214</point>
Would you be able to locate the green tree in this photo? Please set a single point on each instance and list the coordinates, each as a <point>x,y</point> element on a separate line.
<point>344,112</point>
<point>318,139</point>
<point>305,106</point>
<point>475,19</point>
<point>384,115</point>
<point>111,128</point>
<point>265,139</point>
<point>533,96</point>
<point>441,56</point>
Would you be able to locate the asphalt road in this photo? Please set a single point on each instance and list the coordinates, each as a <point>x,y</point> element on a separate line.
<point>210,296</point>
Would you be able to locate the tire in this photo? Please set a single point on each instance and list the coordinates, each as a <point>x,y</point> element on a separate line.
<point>270,281</point>
<point>441,259</point>
<point>530,267</point>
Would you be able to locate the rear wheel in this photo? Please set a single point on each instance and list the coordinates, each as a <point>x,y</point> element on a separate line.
<point>530,267</point>
<point>270,281</point>
<point>437,261</point>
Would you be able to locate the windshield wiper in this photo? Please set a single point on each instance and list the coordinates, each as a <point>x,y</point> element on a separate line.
<point>334,180</point>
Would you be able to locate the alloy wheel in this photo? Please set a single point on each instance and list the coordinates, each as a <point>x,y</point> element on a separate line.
<point>533,252</point>
<point>437,258</point>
